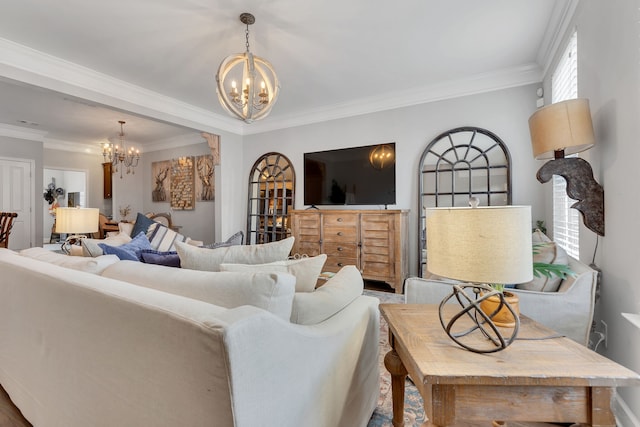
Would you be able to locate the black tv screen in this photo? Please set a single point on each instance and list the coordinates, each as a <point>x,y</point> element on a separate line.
<point>351,176</point>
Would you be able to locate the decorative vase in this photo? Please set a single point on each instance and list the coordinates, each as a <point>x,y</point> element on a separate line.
<point>503,318</point>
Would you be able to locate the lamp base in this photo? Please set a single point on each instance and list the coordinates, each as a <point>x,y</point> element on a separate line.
<point>477,331</point>
<point>74,239</point>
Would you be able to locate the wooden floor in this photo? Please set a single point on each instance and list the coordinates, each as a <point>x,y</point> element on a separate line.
<point>10,416</point>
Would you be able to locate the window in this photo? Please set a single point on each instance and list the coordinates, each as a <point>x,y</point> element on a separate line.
<point>564,85</point>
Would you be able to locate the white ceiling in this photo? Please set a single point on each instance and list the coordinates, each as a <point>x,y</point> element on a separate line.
<point>153,62</point>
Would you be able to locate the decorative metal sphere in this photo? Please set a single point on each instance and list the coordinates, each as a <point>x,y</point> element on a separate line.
<point>472,328</point>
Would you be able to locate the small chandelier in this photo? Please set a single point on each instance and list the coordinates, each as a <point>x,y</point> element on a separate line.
<point>119,156</point>
<point>259,83</point>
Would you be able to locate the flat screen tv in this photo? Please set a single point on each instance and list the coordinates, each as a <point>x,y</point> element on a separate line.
<point>351,176</point>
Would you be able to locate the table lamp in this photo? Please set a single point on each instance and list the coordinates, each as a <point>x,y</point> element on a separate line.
<point>482,246</point>
<point>566,128</point>
<point>74,222</point>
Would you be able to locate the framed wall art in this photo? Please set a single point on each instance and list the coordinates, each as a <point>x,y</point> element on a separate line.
<point>161,175</point>
<point>205,182</point>
<point>182,183</point>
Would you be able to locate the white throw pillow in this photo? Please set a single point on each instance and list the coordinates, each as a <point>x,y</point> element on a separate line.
<point>550,253</point>
<point>89,264</point>
<point>270,291</point>
<point>90,247</point>
<point>125,227</point>
<point>306,270</point>
<point>195,258</point>
<point>310,308</point>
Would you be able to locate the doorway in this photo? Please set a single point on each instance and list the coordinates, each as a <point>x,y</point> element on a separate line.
<point>16,196</point>
<point>65,188</point>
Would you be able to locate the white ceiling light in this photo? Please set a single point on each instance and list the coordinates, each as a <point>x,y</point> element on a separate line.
<point>247,85</point>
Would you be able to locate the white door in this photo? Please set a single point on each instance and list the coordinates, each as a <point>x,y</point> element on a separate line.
<point>15,196</point>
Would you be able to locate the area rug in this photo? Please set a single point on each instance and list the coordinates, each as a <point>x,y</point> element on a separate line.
<point>413,407</point>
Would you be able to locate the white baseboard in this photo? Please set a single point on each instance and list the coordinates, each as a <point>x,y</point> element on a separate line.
<point>624,416</point>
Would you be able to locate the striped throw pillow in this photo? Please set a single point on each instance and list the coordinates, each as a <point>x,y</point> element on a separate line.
<point>162,238</point>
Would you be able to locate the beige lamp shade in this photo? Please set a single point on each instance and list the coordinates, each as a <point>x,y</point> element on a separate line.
<point>480,245</point>
<point>77,220</point>
<point>564,126</point>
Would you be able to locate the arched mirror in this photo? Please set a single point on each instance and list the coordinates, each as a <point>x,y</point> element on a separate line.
<point>271,195</point>
<point>459,164</point>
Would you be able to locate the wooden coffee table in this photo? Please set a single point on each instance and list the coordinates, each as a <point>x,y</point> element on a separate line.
<point>535,379</point>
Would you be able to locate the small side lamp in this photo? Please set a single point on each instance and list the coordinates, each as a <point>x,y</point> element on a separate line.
<point>561,129</point>
<point>480,245</point>
<point>74,222</point>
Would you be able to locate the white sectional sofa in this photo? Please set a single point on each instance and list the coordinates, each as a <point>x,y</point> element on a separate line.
<point>183,348</point>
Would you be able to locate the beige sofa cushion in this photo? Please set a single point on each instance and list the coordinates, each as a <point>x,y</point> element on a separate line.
<point>306,270</point>
<point>310,308</point>
<point>547,252</point>
<point>89,264</point>
<point>272,292</point>
<point>195,258</point>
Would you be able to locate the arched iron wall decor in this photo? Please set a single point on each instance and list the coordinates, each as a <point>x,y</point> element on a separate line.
<point>459,164</point>
<point>271,197</point>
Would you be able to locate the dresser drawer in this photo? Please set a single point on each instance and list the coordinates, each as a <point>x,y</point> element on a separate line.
<point>334,263</point>
<point>340,234</point>
<point>345,250</point>
<point>340,220</point>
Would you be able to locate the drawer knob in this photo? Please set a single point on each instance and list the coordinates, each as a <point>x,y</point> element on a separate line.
<point>339,233</point>
<point>339,220</point>
<point>340,264</point>
<point>340,249</point>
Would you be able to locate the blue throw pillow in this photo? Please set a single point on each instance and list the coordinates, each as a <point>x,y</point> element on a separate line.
<point>129,251</point>
<point>142,224</point>
<point>169,259</point>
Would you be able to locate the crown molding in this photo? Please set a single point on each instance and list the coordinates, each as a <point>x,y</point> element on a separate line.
<point>31,66</point>
<point>561,18</point>
<point>21,133</point>
<point>75,147</point>
<point>175,142</point>
<point>80,147</point>
<point>480,83</point>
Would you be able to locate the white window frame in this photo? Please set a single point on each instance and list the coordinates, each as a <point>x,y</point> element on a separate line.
<point>564,85</point>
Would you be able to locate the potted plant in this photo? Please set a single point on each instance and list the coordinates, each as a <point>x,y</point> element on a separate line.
<point>503,317</point>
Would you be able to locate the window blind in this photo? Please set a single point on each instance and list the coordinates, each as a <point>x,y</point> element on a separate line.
<point>564,85</point>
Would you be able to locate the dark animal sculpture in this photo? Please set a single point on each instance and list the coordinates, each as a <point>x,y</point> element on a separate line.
<point>581,186</point>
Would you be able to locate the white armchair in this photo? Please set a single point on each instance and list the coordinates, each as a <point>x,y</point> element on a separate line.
<point>568,311</point>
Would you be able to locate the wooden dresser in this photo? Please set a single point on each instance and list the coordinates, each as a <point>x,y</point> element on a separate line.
<point>375,241</point>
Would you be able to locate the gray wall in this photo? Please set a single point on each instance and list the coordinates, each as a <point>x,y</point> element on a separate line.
<point>198,223</point>
<point>609,75</point>
<point>505,112</point>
